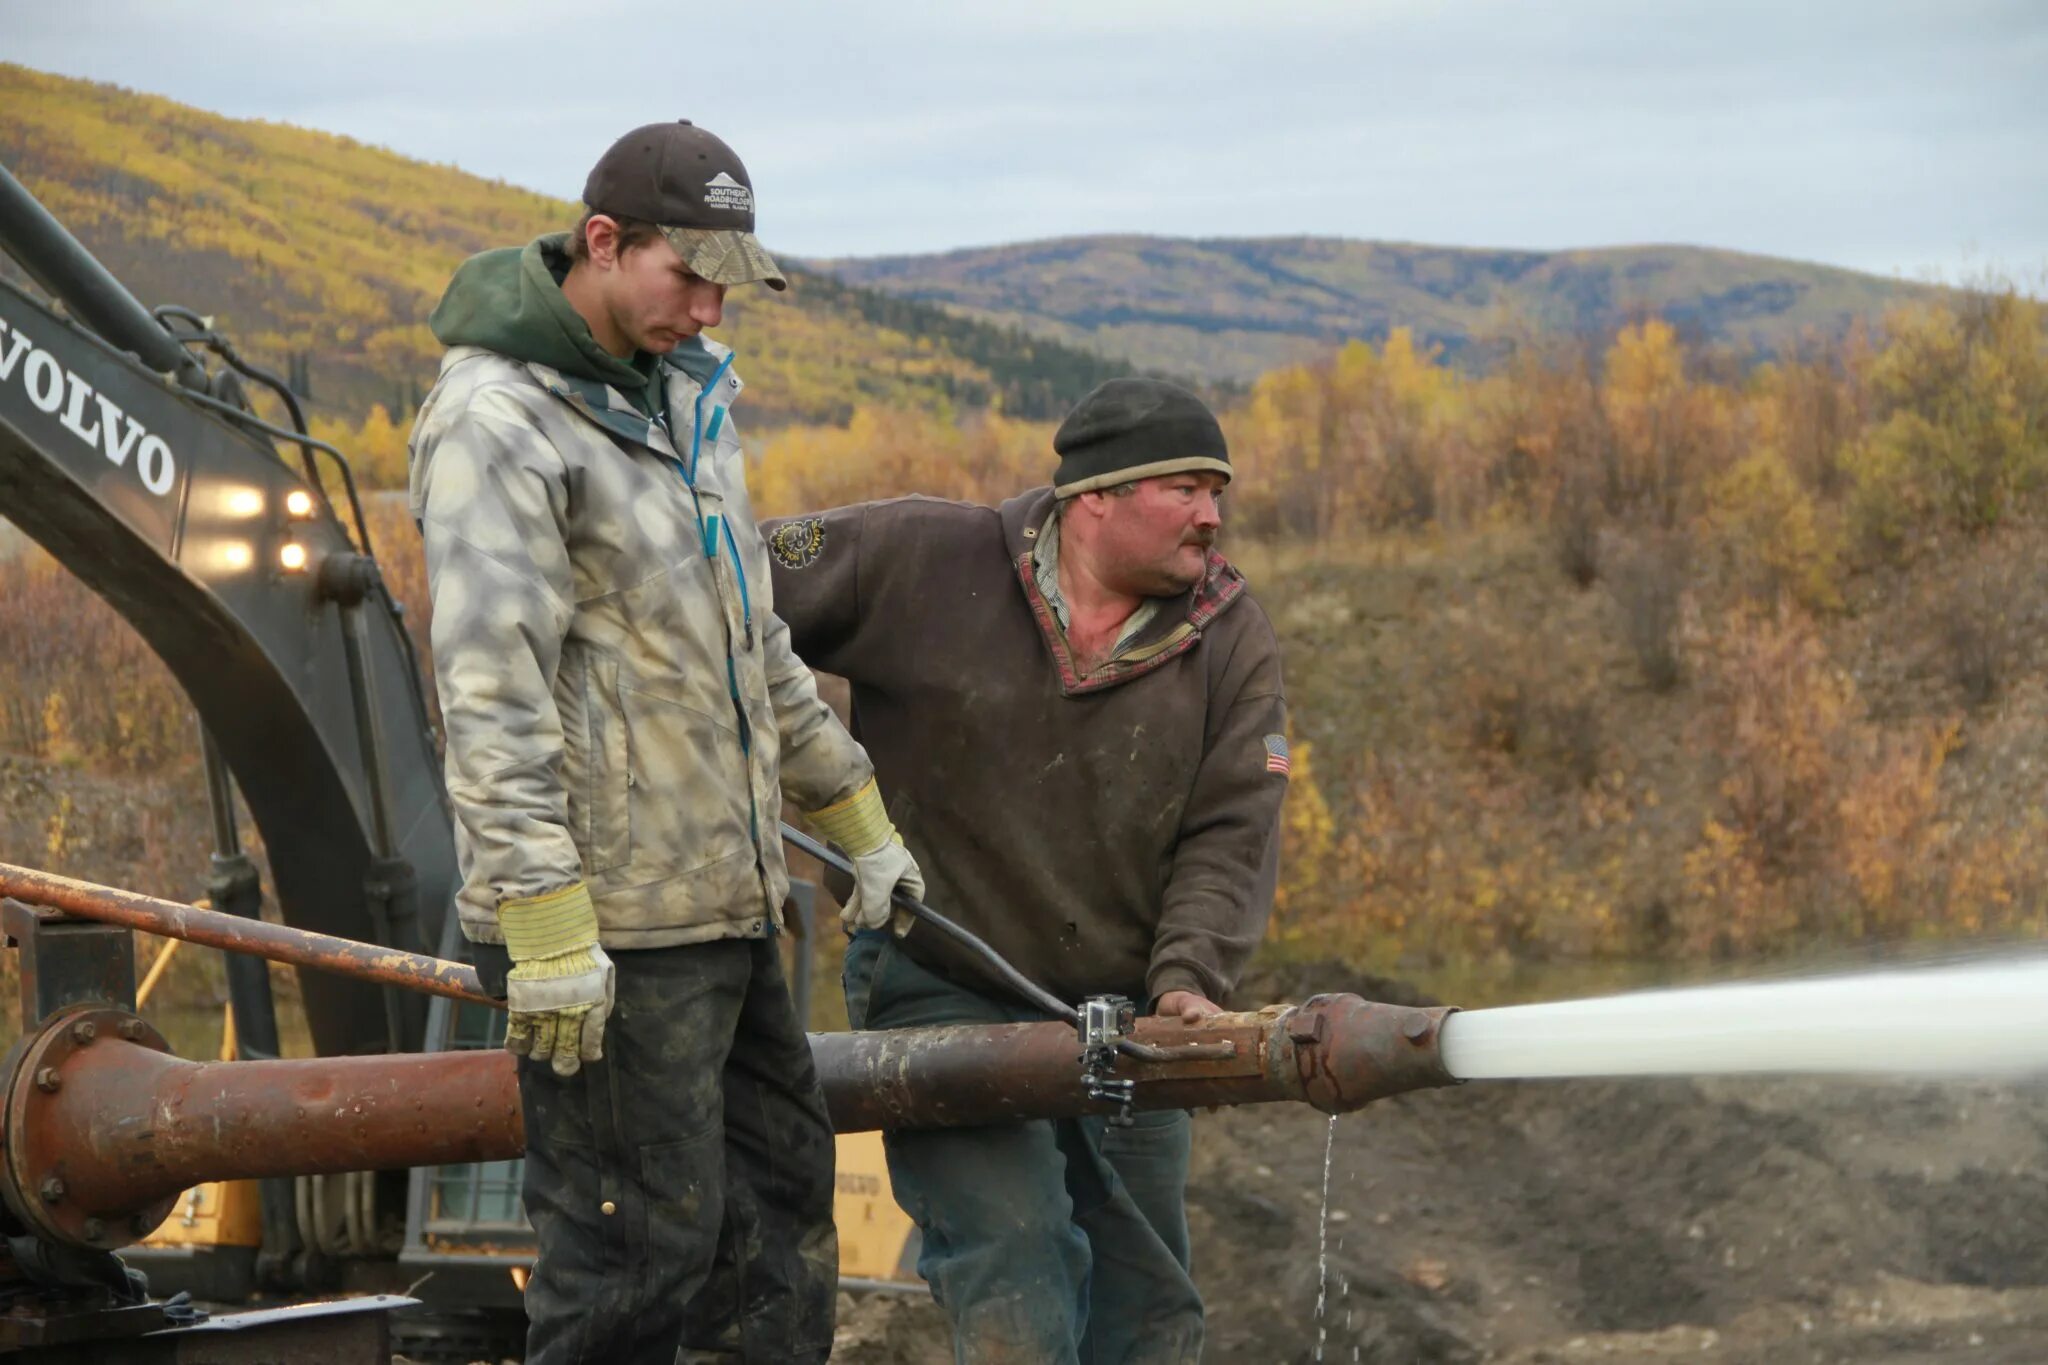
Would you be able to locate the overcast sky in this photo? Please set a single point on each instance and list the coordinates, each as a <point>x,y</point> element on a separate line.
<point>1898,138</point>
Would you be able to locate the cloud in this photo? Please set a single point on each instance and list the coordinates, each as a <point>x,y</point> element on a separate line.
<point>1888,136</point>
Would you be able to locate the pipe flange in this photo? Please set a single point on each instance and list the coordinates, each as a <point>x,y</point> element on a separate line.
<point>1349,1052</point>
<point>34,1179</point>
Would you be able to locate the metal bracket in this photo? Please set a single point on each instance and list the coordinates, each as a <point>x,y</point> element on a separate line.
<point>66,962</point>
<point>1105,1021</point>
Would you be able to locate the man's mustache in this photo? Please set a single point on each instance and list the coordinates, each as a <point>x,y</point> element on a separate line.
<point>1205,539</point>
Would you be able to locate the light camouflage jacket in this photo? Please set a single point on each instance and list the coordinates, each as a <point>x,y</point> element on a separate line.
<point>622,706</point>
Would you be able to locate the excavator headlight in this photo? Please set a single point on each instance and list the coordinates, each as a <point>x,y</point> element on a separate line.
<point>242,502</point>
<point>291,557</point>
<point>298,504</point>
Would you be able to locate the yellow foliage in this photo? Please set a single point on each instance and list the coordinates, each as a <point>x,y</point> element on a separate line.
<point>1667,433</point>
<point>1308,835</point>
<point>1782,710</point>
<point>1770,530</point>
<point>1811,786</point>
<point>886,452</point>
<point>55,831</point>
<point>376,449</point>
<point>1886,822</point>
<point>1733,906</point>
<point>1645,377</point>
<point>1964,395</point>
<point>1368,439</point>
<point>57,741</point>
<point>1998,879</point>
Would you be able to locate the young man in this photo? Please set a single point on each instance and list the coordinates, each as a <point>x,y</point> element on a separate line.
<point>624,716</point>
<point>1076,708</point>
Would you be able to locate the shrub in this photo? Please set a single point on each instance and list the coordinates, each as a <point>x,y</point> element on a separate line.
<point>1963,395</point>
<point>56,632</point>
<point>1780,713</point>
<point>1771,536</point>
<point>1649,587</point>
<point>1575,534</point>
<point>1828,822</point>
<point>1985,620</point>
<point>1668,433</point>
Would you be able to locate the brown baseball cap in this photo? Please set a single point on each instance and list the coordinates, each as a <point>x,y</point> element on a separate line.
<point>690,184</point>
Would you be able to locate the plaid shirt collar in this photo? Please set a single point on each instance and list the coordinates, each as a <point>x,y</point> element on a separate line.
<point>1045,569</point>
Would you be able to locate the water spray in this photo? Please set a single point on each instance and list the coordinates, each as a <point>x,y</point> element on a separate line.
<point>1986,1019</point>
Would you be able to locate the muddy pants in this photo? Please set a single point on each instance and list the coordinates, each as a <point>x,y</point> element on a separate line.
<point>682,1187</point>
<point>1052,1242</point>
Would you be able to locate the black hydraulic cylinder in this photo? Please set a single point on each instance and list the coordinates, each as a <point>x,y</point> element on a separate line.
<point>59,263</point>
<point>390,889</point>
<point>235,889</point>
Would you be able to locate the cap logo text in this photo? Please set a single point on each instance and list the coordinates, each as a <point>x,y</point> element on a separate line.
<point>721,191</point>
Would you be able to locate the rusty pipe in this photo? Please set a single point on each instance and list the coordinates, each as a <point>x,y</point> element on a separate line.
<point>1335,1052</point>
<point>103,1128</point>
<point>416,971</point>
<point>235,934</point>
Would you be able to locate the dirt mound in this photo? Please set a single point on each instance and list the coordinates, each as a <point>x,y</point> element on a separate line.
<point>1497,1218</point>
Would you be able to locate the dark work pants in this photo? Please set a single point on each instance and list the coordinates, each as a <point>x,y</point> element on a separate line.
<point>705,1136</point>
<point>1058,1242</point>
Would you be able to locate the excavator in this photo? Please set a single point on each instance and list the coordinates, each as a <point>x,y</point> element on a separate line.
<point>382,1173</point>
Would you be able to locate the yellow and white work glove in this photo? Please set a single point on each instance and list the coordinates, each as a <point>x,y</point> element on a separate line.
<point>881,863</point>
<point>560,987</point>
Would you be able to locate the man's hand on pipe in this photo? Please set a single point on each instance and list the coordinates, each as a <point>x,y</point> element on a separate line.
<point>1190,1007</point>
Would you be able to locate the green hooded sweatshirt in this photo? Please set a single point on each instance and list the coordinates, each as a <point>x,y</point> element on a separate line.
<point>510,301</point>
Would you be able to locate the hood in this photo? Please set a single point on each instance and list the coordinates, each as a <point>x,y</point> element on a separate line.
<point>510,301</point>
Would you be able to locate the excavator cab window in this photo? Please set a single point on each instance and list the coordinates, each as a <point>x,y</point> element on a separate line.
<point>475,1193</point>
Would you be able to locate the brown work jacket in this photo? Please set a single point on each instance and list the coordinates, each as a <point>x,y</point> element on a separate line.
<point>1108,833</point>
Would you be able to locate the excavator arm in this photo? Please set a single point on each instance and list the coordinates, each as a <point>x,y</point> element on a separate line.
<point>133,465</point>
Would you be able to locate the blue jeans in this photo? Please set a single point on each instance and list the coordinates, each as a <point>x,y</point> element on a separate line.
<point>1054,1242</point>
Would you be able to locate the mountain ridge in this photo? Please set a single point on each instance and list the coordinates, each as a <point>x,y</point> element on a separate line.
<point>1229,308</point>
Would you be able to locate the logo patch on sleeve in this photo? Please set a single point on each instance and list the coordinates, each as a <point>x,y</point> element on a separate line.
<point>797,544</point>
<point>1276,755</point>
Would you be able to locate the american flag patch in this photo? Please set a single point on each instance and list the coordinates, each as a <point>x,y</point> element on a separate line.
<point>1276,754</point>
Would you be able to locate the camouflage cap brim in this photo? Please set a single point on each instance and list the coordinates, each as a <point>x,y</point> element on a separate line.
<point>725,256</point>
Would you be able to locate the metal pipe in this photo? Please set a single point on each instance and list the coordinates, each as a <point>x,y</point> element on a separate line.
<point>1343,1045</point>
<point>1335,1052</point>
<point>103,1128</point>
<point>231,933</point>
<point>62,266</point>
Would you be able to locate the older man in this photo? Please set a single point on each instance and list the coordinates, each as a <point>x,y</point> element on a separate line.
<point>1075,707</point>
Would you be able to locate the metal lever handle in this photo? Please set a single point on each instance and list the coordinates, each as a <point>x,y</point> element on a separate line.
<point>974,943</point>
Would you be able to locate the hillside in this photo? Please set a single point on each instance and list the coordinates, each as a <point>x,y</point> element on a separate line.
<point>323,257</point>
<point>1231,309</point>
